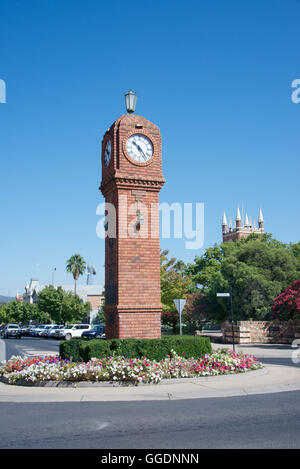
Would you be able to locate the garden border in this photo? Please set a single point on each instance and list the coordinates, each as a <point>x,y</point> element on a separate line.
<point>115,384</point>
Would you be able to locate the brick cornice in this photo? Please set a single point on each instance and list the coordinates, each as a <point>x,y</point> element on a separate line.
<point>123,181</point>
<point>138,309</point>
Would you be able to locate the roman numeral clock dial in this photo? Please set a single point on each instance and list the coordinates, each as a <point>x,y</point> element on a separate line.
<point>107,153</point>
<point>139,148</point>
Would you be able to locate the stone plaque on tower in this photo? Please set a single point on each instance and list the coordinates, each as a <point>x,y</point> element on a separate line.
<point>131,180</point>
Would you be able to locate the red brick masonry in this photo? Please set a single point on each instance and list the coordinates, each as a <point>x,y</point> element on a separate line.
<point>132,263</point>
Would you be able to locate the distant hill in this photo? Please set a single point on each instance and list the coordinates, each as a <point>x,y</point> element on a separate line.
<point>6,299</point>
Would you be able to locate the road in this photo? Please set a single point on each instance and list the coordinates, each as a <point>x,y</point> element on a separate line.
<point>252,421</point>
<point>260,421</point>
<point>30,346</point>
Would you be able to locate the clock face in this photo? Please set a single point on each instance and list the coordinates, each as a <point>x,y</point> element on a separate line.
<point>139,148</point>
<point>107,153</point>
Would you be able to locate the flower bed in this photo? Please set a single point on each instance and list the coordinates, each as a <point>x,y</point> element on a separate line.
<point>120,369</point>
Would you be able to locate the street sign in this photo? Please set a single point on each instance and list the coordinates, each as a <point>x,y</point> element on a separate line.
<point>180,305</point>
<point>223,294</point>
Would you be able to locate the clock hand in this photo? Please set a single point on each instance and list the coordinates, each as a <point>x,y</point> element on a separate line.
<point>140,150</point>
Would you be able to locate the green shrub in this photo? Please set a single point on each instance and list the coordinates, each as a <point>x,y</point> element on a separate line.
<point>96,348</point>
<point>153,349</point>
<point>73,348</point>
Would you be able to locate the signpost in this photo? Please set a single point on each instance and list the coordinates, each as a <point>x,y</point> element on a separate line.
<point>180,305</point>
<point>231,307</point>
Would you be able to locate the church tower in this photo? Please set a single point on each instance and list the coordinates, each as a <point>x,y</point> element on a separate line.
<point>241,230</point>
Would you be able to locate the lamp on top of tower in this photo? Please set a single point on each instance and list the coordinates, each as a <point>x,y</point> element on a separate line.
<point>130,100</point>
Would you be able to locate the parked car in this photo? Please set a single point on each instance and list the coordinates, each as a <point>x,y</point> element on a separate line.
<point>35,332</point>
<point>56,333</point>
<point>23,330</point>
<point>45,330</point>
<point>40,330</point>
<point>28,331</point>
<point>72,331</point>
<point>54,330</point>
<point>12,330</point>
<point>97,332</point>
<point>49,331</point>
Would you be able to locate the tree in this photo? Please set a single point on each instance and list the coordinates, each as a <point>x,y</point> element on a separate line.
<point>50,301</point>
<point>257,268</point>
<point>197,311</point>
<point>100,318</point>
<point>22,313</point>
<point>175,283</point>
<point>62,307</point>
<point>12,312</point>
<point>205,267</point>
<point>73,308</point>
<point>287,305</point>
<point>76,266</point>
<point>171,319</point>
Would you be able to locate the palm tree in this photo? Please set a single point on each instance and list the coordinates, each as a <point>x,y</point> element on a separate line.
<point>76,266</point>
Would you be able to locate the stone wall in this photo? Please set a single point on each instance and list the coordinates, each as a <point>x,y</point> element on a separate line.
<point>263,332</point>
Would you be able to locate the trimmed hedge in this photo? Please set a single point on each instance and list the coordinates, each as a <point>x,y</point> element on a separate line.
<point>153,349</point>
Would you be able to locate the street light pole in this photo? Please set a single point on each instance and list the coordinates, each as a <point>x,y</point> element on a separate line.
<point>232,320</point>
<point>231,308</point>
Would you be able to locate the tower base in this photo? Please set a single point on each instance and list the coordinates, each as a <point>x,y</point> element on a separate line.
<point>133,322</point>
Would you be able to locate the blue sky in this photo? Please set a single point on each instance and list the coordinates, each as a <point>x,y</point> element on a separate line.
<point>215,76</point>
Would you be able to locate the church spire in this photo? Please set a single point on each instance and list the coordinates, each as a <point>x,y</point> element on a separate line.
<point>238,218</point>
<point>246,220</point>
<point>224,223</point>
<point>261,220</point>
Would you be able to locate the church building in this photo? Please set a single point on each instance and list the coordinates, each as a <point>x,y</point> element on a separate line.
<point>240,229</point>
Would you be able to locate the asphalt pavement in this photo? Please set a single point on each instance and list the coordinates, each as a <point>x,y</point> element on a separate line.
<point>258,421</point>
<point>257,409</point>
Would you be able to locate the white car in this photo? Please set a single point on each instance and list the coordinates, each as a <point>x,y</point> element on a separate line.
<point>51,332</point>
<point>72,331</point>
<point>11,330</point>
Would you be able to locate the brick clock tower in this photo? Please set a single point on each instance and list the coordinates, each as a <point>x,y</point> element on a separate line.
<point>131,180</point>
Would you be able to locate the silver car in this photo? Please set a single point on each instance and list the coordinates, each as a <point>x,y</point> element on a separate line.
<point>11,330</point>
